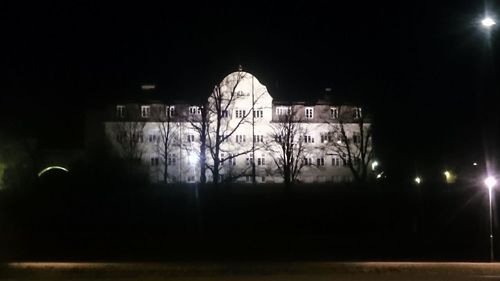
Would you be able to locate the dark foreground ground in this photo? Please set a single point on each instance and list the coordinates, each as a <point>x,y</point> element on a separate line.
<point>116,222</point>
<point>251,271</point>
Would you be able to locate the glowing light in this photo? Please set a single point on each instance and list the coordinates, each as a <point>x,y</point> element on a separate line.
<point>488,22</point>
<point>52,168</point>
<point>192,158</point>
<point>418,180</point>
<point>490,182</point>
<point>374,165</point>
<point>474,164</point>
<point>450,177</point>
<point>380,175</point>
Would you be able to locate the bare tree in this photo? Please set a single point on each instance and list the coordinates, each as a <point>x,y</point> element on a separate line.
<point>165,138</point>
<point>219,130</point>
<point>199,122</point>
<point>130,136</point>
<point>351,139</point>
<point>287,146</point>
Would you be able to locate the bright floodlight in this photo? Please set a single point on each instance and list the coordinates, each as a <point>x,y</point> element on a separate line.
<point>374,165</point>
<point>418,180</point>
<point>488,22</point>
<point>447,174</point>
<point>192,158</point>
<point>490,182</point>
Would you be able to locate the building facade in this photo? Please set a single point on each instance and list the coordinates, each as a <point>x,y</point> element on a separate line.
<point>246,136</point>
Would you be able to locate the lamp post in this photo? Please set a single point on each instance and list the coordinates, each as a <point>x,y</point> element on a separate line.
<point>490,183</point>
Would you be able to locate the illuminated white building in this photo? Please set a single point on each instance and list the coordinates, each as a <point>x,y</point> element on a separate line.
<point>248,118</point>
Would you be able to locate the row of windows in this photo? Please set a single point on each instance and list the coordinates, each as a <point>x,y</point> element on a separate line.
<point>309,112</point>
<point>230,159</point>
<point>239,113</point>
<point>327,137</point>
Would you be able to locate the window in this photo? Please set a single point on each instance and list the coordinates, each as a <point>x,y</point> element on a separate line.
<point>240,138</point>
<point>154,161</point>
<point>120,111</point>
<point>240,113</point>
<point>258,113</point>
<point>261,161</point>
<point>306,161</point>
<point>258,138</point>
<point>283,110</point>
<point>263,179</point>
<point>224,114</point>
<point>308,139</point>
<point>194,110</point>
<point>249,160</point>
<point>190,138</point>
<point>171,159</point>
<point>356,138</point>
<point>171,111</point>
<point>357,113</point>
<point>137,137</point>
<point>335,161</point>
<point>154,138</point>
<point>320,161</point>
<point>325,137</point>
<point>145,111</point>
<point>309,112</point>
<point>334,112</point>
<point>231,159</point>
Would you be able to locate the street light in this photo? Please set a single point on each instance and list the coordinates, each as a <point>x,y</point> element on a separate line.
<point>490,182</point>
<point>418,180</point>
<point>488,22</point>
<point>374,165</point>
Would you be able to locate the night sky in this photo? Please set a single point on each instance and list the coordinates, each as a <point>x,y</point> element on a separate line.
<point>423,67</point>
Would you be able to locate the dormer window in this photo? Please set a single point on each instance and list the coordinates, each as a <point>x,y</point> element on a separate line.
<point>309,112</point>
<point>334,112</point>
<point>171,111</point>
<point>283,110</point>
<point>194,110</point>
<point>120,111</point>
<point>357,113</point>
<point>145,111</point>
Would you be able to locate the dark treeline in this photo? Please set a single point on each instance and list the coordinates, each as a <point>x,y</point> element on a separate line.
<point>61,218</point>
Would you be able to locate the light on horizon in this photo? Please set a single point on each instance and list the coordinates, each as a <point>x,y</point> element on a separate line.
<point>490,182</point>
<point>488,22</point>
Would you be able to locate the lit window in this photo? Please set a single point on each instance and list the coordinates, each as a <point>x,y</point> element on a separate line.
<point>120,111</point>
<point>145,111</point>
<point>334,112</point>
<point>309,112</point>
